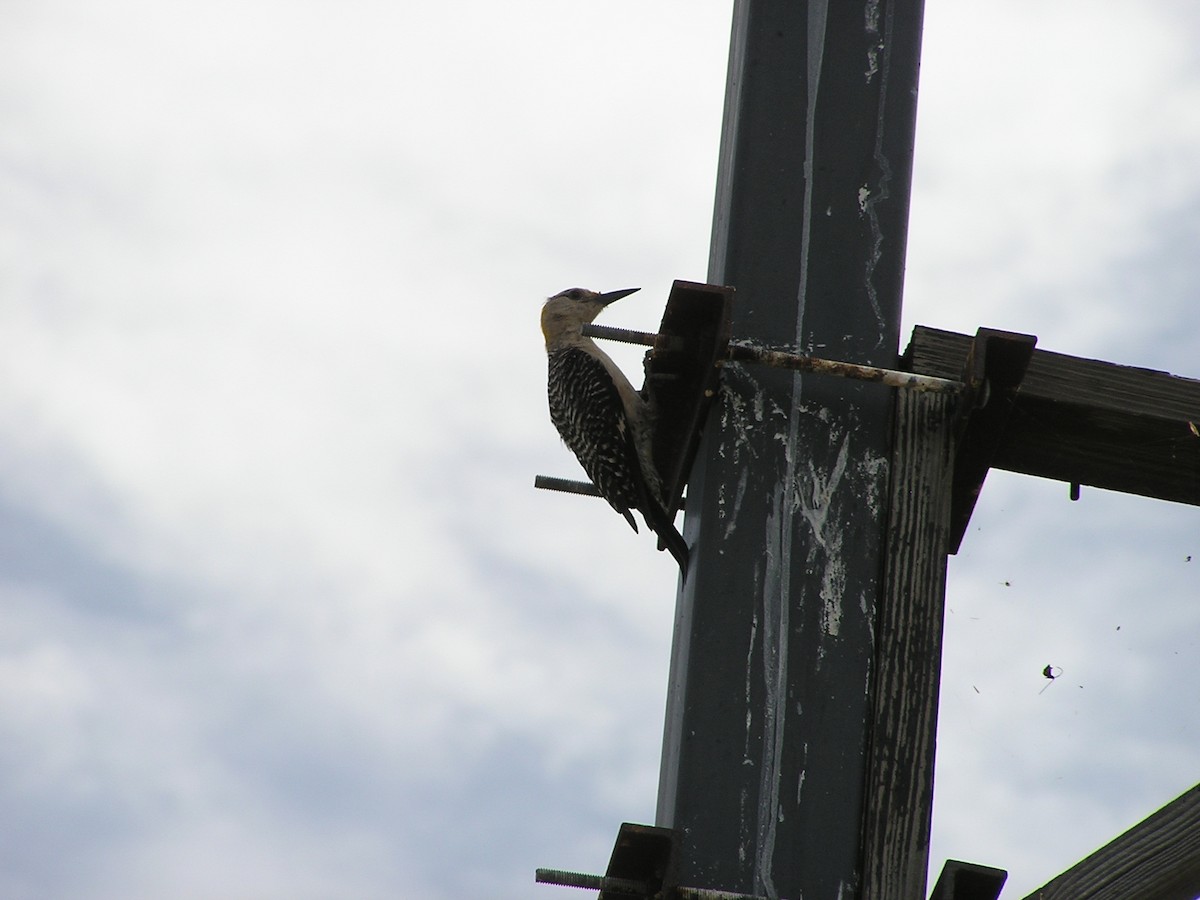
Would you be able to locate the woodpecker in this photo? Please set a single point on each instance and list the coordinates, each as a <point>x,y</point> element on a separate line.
<point>601,418</point>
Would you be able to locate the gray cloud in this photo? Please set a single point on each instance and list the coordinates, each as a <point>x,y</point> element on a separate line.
<point>283,613</point>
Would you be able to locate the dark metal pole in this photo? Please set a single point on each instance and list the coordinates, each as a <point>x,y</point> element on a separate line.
<point>769,701</point>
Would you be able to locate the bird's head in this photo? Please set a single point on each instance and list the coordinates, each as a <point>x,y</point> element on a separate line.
<point>567,311</point>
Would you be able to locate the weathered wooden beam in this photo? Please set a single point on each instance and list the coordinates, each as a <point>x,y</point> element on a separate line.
<point>1157,859</point>
<point>908,652</point>
<point>1083,421</point>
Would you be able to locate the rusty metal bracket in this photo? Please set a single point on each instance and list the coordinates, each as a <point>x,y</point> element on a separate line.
<point>640,866</point>
<point>682,372</point>
<point>643,865</point>
<point>992,375</point>
<point>968,881</point>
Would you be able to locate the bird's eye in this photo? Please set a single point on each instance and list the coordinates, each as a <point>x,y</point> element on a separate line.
<point>575,293</point>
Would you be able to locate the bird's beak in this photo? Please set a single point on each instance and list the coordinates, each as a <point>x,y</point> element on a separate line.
<point>615,295</point>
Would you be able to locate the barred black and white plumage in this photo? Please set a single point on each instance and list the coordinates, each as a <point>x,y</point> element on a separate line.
<point>601,418</point>
<point>586,408</point>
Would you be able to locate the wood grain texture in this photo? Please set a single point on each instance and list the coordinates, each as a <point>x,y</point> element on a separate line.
<point>1157,859</point>
<point>1090,422</point>
<point>908,651</point>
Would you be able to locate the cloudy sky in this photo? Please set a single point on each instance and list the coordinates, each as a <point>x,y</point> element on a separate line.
<point>280,612</point>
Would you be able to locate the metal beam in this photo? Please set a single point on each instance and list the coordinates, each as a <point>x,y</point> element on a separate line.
<point>768,706</point>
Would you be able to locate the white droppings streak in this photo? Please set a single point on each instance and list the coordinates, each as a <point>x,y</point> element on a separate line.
<point>816,510</point>
<point>816,57</point>
<point>776,631</point>
<point>880,48</point>
<point>833,587</point>
<point>731,525</point>
<point>738,414</point>
<point>871,25</point>
<point>749,663</point>
<point>871,17</point>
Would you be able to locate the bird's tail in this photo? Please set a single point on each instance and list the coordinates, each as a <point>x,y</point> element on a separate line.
<point>668,536</point>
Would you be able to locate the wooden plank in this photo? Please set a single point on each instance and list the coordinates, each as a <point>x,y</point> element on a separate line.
<point>1089,422</point>
<point>908,652</point>
<point>1157,859</point>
